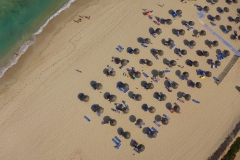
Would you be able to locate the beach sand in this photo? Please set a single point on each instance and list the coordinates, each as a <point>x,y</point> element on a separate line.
<point>43,118</point>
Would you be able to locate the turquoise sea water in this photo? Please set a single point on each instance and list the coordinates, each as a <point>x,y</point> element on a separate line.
<point>19,19</point>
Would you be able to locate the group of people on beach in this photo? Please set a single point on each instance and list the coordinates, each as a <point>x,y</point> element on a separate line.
<point>81,17</point>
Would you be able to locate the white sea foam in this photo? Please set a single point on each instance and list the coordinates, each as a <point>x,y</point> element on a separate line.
<point>13,60</point>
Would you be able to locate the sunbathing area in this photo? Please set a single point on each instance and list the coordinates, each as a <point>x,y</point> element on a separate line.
<point>156,80</point>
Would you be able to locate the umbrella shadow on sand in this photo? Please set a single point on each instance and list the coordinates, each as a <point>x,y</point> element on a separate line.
<point>93,84</point>
<point>179,95</point>
<point>120,130</point>
<point>158,118</point>
<point>145,130</point>
<point>151,30</point>
<point>140,40</point>
<point>154,72</point>
<point>106,94</point>
<point>178,73</point>
<point>132,118</point>
<point>169,106</point>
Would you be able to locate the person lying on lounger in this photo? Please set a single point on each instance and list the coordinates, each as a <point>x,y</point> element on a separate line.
<point>135,144</point>
<point>191,84</point>
<point>179,53</point>
<point>169,65</point>
<point>210,45</point>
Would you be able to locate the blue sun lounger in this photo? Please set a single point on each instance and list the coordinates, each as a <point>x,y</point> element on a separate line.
<point>115,141</point>
<point>121,48</point>
<point>189,28</point>
<point>149,130</point>
<point>166,71</point>
<point>145,107</point>
<point>154,129</point>
<point>221,10</point>
<point>212,23</point>
<point>196,101</point>
<point>145,46</point>
<point>118,139</point>
<point>120,88</point>
<point>158,124</point>
<point>172,46</point>
<point>225,31</point>
<point>145,74</point>
<point>212,3</point>
<point>174,14</point>
<point>126,90</point>
<point>118,145</point>
<point>88,119</point>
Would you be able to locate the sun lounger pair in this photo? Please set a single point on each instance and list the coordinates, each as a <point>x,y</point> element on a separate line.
<point>166,71</point>
<point>154,35</point>
<point>88,119</point>
<point>145,74</point>
<point>144,45</point>
<point>112,69</point>
<point>158,124</point>
<point>119,48</point>
<point>189,28</point>
<point>201,72</point>
<point>154,129</point>
<point>221,56</point>
<point>117,141</point>
<point>181,77</point>
<point>225,31</point>
<point>140,126</point>
<point>212,23</point>
<point>145,107</point>
<point>212,3</point>
<point>149,130</point>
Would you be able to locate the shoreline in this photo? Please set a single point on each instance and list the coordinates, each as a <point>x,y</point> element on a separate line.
<point>10,76</point>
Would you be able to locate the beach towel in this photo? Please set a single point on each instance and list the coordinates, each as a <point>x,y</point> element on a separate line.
<point>196,101</point>
<point>154,129</point>
<point>212,23</point>
<point>112,69</point>
<point>88,119</point>
<point>166,71</point>
<point>145,46</point>
<point>158,124</point>
<point>145,74</point>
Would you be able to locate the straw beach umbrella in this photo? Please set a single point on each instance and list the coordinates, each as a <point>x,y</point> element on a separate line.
<point>160,52</point>
<point>176,108</point>
<point>136,51</point>
<point>125,86</point>
<point>174,85</point>
<point>137,74</point>
<point>198,85</point>
<point>161,74</point>
<point>170,42</point>
<point>229,28</point>
<point>195,64</point>
<point>183,52</point>
<point>192,43</point>
<point>226,53</point>
<point>124,62</point>
<point>206,8</point>
<point>239,37</point>
<point>185,74</point>
<point>215,43</point>
<point>99,86</point>
<point>173,63</point>
<point>218,17</point>
<point>181,32</point>
<point>112,73</point>
<point>191,23</point>
<point>165,121</point>
<point>215,1</point>
<point>202,33</point>
<point>126,135</point>
<point>112,98</point>
<point>208,74</point>
<point>153,134</point>
<point>147,41</point>
<point>113,122</point>
<point>85,98</point>
<point>139,122</point>
<point>187,97</point>
<point>235,1</point>
<point>100,109</point>
<point>163,97</point>
<point>169,21</point>
<point>138,97</point>
<point>151,109</point>
<point>206,53</point>
<point>158,31</point>
<point>141,148</point>
<point>237,19</point>
<point>149,63</point>
<point>217,63</point>
<point>179,12</point>
<point>150,85</point>
<point>226,9</point>
<point>125,110</point>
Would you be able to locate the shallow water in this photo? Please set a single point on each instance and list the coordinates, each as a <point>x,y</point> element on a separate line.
<point>19,19</point>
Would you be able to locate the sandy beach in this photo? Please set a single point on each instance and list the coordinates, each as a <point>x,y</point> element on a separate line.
<point>42,116</point>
